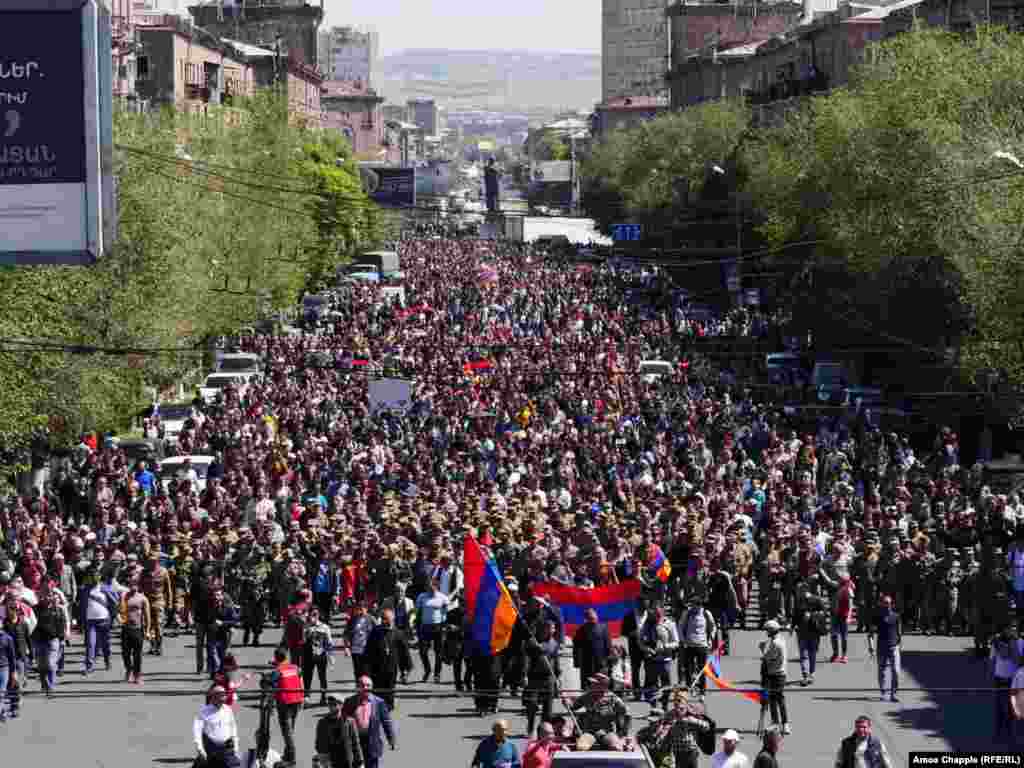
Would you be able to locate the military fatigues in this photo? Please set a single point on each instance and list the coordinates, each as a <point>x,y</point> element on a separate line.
<point>947,581</point>
<point>253,582</point>
<point>184,565</point>
<point>156,586</point>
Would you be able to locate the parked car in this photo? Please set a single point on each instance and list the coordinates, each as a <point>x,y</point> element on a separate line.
<point>141,449</point>
<point>652,370</point>
<point>786,369</point>
<point>170,469</point>
<point>240,362</point>
<point>829,381</point>
<point>601,759</point>
<point>172,418</point>
<point>215,382</point>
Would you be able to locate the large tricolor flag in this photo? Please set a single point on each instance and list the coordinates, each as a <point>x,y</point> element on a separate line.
<point>612,603</point>
<point>713,671</point>
<point>659,564</point>
<point>489,608</point>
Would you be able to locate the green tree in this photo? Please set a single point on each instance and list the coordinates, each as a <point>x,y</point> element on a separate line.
<point>223,216</point>
<point>635,174</point>
<point>895,174</point>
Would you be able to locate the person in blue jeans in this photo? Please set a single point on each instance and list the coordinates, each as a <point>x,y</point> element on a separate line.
<point>889,631</point>
<point>51,628</point>
<point>8,670</point>
<point>224,616</point>
<point>98,609</point>
<point>812,619</point>
<point>15,626</point>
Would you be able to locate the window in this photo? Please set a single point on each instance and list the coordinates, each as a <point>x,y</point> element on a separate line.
<point>142,68</point>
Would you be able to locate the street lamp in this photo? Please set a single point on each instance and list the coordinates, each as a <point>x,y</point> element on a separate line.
<point>1002,154</point>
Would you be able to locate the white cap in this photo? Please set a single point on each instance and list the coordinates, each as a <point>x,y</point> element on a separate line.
<point>731,735</point>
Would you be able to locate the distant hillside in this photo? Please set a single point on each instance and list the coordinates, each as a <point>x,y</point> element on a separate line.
<point>515,79</point>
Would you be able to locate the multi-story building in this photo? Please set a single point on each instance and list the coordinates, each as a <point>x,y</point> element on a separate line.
<point>187,67</point>
<point>626,112</point>
<point>348,54</point>
<point>427,115</point>
<point>395,112</point>
<point>291,25</point>
<point>634,48</point>
<point>357,112</point>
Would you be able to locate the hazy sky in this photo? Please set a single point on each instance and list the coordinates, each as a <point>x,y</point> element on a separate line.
<point>539,25</point>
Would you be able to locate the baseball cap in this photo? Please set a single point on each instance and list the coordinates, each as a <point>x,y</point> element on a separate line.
<point>731,735</point>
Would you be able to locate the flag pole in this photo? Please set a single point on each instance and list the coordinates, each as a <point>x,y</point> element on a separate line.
<point>555,678</point>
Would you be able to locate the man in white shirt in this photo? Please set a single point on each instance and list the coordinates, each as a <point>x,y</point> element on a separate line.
<point>215,732</point>
<point>728,756</point>
<point>449,574</point>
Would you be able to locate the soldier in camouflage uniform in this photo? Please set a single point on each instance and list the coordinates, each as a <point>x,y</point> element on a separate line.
<point>865,579</point>
<point>184,565</point>
<point>254,579</point>
<point>949,579</point>
<point>968,591</point>
<point>739,561</point>
<point>992,608</point>
<point>156,586</point>
<point>922,576</point>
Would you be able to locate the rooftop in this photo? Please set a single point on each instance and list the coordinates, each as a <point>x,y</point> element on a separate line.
<point>633,102</point>
<point>249,51</point>
<point>347,88</point>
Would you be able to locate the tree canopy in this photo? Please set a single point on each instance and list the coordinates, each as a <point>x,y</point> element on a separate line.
<point>636,174</point>
<point>901,192</point>
<point>910,170</point>
<point>224,218</point>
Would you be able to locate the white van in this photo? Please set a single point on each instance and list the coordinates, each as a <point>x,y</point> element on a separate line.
<point>169,469</point>
<point>215,382</point>
<point>652,370</point>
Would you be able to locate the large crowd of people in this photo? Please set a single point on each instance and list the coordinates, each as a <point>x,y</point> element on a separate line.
<point>531,427</point>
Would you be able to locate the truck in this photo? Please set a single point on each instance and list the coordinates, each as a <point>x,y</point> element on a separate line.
<point>386,262</point>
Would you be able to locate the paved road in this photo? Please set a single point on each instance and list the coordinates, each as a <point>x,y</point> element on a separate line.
<point>100,721</point>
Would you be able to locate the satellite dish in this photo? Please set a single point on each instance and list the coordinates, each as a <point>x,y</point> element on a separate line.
<point>370,179</point>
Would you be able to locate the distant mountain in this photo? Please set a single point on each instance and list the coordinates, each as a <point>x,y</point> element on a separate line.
<point>509,79</point>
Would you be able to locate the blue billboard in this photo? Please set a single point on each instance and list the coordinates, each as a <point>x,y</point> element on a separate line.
<point>392,187</point>
<point>42,113</point>
<point>55,131</point>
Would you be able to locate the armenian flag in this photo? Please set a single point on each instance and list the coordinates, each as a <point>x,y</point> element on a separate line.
<point>713,671</point>
<point>489,608</point>
<point>659,564</point>
<point>613,602</point>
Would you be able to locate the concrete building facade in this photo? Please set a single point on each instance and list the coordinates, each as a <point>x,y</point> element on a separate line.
<point>634,48</point>
<point>349,54</point>
<point>188,68</point>
<point>626,112</point>
<point>295,23</point>
<point>427,115</point>
<point>356,111</point>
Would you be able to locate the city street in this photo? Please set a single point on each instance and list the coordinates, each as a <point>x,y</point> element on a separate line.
<point>106,723</point>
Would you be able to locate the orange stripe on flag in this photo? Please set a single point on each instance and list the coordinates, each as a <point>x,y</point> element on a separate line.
<point>725,685</point>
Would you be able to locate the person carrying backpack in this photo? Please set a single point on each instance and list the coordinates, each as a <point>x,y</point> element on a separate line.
<point>697,634</point>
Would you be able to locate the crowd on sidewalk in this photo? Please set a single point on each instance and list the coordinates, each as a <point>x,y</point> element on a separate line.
<point>530,428</point>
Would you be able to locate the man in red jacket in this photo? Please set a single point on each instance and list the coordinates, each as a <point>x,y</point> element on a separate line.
<point>842,607</point>
<point>287,684</point>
